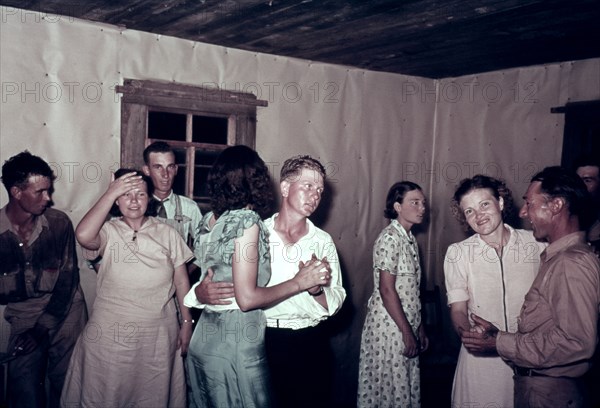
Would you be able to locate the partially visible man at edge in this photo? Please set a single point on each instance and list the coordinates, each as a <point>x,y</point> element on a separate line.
<point>39,284</point>
<point>558,324</point>
<point>588,168</point>
<point>298,350</point>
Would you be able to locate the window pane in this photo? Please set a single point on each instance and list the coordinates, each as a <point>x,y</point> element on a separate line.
<point>166,126</point>
<point>209,129</point>
<point>180,156</point>
<point>203,162</point>
<point>179,183</point>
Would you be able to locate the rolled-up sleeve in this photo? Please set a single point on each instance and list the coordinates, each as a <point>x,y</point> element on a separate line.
<point>190,299</point>
<point>455,275</point>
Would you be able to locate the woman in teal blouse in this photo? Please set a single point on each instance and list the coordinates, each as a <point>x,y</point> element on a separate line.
<point>227,363</point>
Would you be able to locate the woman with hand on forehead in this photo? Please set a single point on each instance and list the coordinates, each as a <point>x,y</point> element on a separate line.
<point>487,274</point>
<point>128,353</point>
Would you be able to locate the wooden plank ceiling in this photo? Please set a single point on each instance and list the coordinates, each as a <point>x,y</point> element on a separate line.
<point>429,38</point>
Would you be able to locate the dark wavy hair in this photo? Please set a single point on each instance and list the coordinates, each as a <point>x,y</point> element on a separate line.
<point>560,182</point>
<point>157,147</point>
<point>17,170</point>
<point>396,195</point>
<point>480,181</point>
<point>240,178</point>
<point>151,209</point>
<point>586,160</point>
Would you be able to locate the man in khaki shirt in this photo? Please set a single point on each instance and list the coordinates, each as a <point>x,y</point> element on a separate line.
<point>557,331</point>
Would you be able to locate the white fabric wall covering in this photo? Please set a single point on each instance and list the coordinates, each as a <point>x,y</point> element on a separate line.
<point>370,129</point>
<point>583,81</point>
<point>58,101</point>
<point>507,132</point>
<point>502,128</point>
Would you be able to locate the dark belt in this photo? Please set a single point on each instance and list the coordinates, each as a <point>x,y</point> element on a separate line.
<point>527,372</point>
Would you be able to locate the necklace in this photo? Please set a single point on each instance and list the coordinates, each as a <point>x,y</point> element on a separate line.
<point>135,231</point>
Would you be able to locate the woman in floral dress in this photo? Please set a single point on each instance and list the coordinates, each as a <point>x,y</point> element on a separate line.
<point>393,335</point>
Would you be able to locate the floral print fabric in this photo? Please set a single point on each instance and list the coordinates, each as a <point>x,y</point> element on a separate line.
<point>386,377</point>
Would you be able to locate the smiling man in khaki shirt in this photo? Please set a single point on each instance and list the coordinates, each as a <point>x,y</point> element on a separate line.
<point>558,323</point>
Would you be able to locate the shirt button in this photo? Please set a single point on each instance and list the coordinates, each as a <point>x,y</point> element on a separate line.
<point>20,244</point>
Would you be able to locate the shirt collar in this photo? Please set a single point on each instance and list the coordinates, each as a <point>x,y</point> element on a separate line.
<point>5,225</point>
<point>270,222</point>
<point>399,227</point>
<point>512,239</point>
<point>147,222</point>
<point>564,242</point>
<point>166,199</point>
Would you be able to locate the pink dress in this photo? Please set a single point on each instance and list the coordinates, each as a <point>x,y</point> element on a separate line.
<point>494,289</point>
<point>127,354</point>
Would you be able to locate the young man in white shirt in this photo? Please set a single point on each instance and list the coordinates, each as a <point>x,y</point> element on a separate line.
<point>298,351</point>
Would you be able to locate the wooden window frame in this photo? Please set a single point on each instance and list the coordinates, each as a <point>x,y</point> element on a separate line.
<point>139,97</point>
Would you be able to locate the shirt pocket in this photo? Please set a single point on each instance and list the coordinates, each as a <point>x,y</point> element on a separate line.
<point>46,280</point>
<point>12,285</point>
<point>535,312</point>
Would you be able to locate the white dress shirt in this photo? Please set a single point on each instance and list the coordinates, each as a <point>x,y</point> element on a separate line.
<point>301,310</point>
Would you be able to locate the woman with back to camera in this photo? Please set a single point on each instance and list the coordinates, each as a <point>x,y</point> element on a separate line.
<point>487,274</point>
<point>127,354</point>
<point>227,362</point>
<point>393,335</point>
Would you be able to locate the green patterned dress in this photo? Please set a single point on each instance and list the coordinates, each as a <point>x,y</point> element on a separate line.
<point>226,359</point>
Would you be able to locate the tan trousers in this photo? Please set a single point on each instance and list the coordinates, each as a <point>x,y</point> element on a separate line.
<point>549,392</point>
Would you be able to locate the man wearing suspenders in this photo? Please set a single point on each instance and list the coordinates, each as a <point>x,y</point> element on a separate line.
<point>180,212</point>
